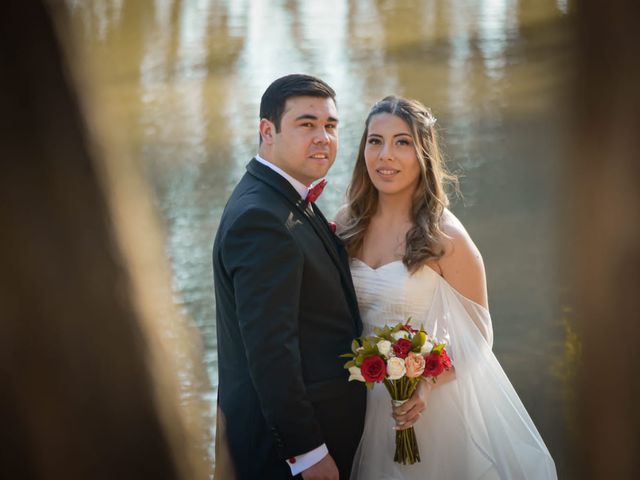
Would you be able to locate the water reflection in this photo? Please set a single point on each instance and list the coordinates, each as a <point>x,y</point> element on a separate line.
<point>497,24</point>
<point>563,6</point>
<point>184,78</point>
<point>99,16</point>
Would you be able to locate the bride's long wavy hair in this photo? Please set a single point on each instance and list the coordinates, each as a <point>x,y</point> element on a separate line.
<point>424,239</point>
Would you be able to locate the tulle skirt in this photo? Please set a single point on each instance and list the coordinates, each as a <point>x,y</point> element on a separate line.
<point>474,427</point>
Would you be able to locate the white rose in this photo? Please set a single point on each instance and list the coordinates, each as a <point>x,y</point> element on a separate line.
<point>395,368</point>
<point>384,347</point>
<point>426,348</point>
<point>399,334</point>
<point>355,374</point>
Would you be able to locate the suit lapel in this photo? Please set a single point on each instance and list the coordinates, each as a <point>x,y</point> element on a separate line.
<point>318,222</point>
<point>274,180</point>
<point>343,264</point>
<point>319,225</point>
<point>281,185</point>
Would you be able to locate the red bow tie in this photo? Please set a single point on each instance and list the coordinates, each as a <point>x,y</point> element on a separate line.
<point>315,191</point>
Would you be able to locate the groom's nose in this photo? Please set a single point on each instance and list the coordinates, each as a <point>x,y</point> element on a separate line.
<point>322,136</point>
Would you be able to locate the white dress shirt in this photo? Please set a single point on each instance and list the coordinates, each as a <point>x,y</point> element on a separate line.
<point>299,463</point>
<point>300,187</point>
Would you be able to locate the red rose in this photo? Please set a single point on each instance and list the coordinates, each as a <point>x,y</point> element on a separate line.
<point>434,365</point>
<point>373,369</point>
<point>446,361</point>
<point>333,227</point>
<point>402,348</point>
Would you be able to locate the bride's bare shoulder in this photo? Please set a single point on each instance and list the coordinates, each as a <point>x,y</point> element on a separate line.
<point>454,230</point>
<point>462,265</point>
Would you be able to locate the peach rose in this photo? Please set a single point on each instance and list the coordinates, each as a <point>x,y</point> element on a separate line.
<point>414,363</point>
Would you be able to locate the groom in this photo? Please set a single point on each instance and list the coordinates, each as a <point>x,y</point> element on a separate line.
<point>286,307</point>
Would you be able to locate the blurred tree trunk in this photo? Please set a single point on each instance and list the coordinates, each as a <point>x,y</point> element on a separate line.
<point>604,185</point>
<point>78,396</point>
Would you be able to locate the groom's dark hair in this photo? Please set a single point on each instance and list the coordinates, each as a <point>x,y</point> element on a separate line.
<point>294,85</point>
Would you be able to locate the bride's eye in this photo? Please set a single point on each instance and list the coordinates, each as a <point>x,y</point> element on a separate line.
<point>373,141</point>
<point>403,142</point>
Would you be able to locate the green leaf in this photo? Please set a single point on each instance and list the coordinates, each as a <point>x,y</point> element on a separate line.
<point>418,340</point>
<point>347,355</point>
<point>354,346</point>
<point>350,364</point>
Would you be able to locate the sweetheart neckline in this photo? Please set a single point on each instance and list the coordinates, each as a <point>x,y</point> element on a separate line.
<point>444,280</point>
<point>392,263</point>
<point>378,267</point>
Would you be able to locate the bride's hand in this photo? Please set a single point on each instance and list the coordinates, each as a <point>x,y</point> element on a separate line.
<point>407,414</point>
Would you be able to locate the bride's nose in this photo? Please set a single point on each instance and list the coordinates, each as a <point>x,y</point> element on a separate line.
<point>385,152</point>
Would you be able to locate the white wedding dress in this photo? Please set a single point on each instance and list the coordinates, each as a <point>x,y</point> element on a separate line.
<point>475,427</point>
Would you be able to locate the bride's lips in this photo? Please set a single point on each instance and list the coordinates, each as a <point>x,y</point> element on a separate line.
<point>386,172</point>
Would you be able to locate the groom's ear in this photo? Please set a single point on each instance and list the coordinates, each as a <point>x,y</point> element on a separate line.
<point>267,131</point>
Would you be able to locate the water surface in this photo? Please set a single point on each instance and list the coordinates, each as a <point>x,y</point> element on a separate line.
<point>185,77</point>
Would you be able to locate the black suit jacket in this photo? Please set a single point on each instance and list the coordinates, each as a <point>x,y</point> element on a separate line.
<point>285,310</point>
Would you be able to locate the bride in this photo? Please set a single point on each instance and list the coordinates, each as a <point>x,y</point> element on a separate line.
<point>411,257</point>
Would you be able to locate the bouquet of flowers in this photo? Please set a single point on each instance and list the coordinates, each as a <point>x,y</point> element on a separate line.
<point>399,357</point>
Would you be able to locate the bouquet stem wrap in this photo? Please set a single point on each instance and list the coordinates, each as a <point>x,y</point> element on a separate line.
<point>407,452</point>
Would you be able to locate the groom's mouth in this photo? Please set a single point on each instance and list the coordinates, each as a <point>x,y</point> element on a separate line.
<point>319,158</point>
